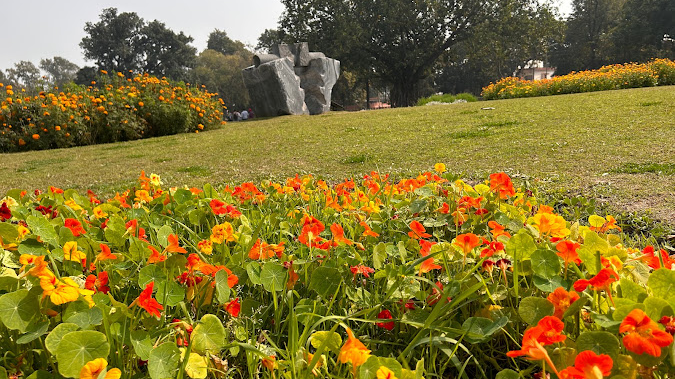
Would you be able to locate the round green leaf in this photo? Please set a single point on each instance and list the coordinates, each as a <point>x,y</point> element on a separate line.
<point>140,340</point>
<point>164,361</point>
<point>54,337</point>
<point>78,348</point>
<point>208,335</point>
<point>662,283</point>
<point>196,366</point>
<point>34,331</point>
<point>17,309</point>
<point>545,263</point>
<point>273,276</point>
<point>550,284</point>
<point>169,293</point>
<point>325,281</point>
<point>332,340</point>
<point>369,369</point>
<point>533,309</point>
<point>150,273</point>
<point>521,246</point>
<point>222,288</point>
<point>599,342</point>
<point>42,228</point>
<point>78,312</point>
<point>507,374</point>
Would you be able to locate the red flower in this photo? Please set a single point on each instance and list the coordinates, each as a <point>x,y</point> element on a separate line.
<point>155,256</point>
<point>562,300</point>
<point>669,323</point>
<point>233,307</point>
<point>361,269</point>
<point>146,301</point>
<point>652,259</point>
<point>567,250</point>
<point>309,235</point>
<point>418,230</point>
<point>467,242</point>
<point>491,249</point>
<point>545,333</point>
<point>99,284</point>
<point>5,213</point>
<point>428,264</point>
<point>643,334</point>
<point>218,207</point>
<point>74,227</point>
<point>502,185</point>
<point>588,365</point>
<point>385,314</point>
<point>600,282</point>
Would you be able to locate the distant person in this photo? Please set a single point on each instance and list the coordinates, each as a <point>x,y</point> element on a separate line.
<point>236,116</point>
<point>250,113</point>
<point>244,114</point>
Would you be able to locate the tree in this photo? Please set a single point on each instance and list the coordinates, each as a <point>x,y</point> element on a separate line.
<point>399,39</point>
<point>113,43</point>
<point>60,70</point>
<point>269,38</point>
<point>26,75</point>
<point>222,74</point>
<point>641,32</point>
<point>220,42</point>
<point>166,53</point>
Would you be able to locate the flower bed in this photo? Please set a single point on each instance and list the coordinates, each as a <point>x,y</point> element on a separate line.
<point>630,75</point>
<point>116,109</point>
<point>373,278</point>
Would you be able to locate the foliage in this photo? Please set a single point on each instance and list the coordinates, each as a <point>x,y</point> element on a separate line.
<point>60,70</point>
<point>220,42</point>
<point>221,73</point>
<point>118,109</point>
<point>124,42</point>
<point>423,277</point>
<point>629,75</point>
<point>447,98</point>
<point>25,75</point>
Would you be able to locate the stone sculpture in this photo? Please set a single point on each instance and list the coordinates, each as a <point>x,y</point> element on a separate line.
<point>291,80</point>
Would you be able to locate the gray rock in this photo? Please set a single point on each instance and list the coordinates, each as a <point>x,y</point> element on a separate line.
<point>275,89</point>
<point>318,79</point>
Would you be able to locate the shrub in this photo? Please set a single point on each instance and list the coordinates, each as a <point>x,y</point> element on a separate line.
<point>629,75</point>
<point>116,108</point>
<point>446,98</point>
<point>423,276</point>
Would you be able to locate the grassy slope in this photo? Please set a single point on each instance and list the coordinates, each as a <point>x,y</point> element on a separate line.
<point>572,142</point>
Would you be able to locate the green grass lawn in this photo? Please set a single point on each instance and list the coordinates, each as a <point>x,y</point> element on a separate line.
<point>616,146</point>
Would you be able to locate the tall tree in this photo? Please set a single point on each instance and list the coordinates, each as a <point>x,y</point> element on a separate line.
<point>222,74</point>
<point>643,29</point>
<point>400,40</point>
<point>269,38</point>
<point>60,70</point>
<point>113,43</point>
<point>166,53</point>
<point>220,42</point>
<point>26,75</point>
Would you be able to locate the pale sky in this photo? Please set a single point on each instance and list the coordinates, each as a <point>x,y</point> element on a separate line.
<point>37,29</point>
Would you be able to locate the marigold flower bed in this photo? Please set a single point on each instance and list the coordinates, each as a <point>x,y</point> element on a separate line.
<point>369,278</point>
<point>116,108</point>
<point>658,72</point>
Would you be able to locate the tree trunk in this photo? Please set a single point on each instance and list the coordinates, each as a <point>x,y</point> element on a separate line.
<point>403,93</point>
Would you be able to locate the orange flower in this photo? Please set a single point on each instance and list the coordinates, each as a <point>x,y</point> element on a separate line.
<point>94,368</point>
<point>143,196</point>
<point>444,209</point>
<point>233,307</point>
<point>339,235</point>
<point>550,225</point>
<point>311,228</point>
<point>105,253</point>
<point>59,291</point>
<point>652,259</point>
<point>99,283</point>
<point>385,373</point>
<point>146,301</point>
<point>502,185</point>
<point>368,231</point>
<point>428,264</point>
<point>155,256</point>
<point>75,227</point>
<point>467,242</point>
<point>497,230</point>
<point>173,246</point>
<point>418,230</point>
<point>205,246</point>
<point>600,282</point>
<point>263,250</point>
<point>223,233</point>
<point>270,362</point>
<point>567,250</point>
<point>562,300</point>
<point>353,351</point>
<point>643,334</point>
<point>588,365</point>
<point>545,333</point>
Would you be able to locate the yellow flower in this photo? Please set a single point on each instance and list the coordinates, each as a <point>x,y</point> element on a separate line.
<point>440,167</point>
<point>155,180</point>
<point>94,368</point>
<point>71,253</point>
<point>73,205</point>
<point>549,224</point>
<point>59,292</point>
<point>385,373</point>
<point>223,232</point>
<point>143,195</point>
<point>353,351</point>
<point>99,213</point>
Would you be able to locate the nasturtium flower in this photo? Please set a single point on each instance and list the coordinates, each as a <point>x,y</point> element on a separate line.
<point>562,300</point>
<point>262,250</point>
<point>440,168</point>
<point>97,283</point>
<point>99,212</point>
<point>385,314</point>
<point>547,331</point>
<point>270,362</point>
<point>466,242</point>
<point>155,256</point>
<point>93,369</point>
<point>368,231</point>
<point>567,250</point>
<point>142,196</point>
<point>652,259</point>
<point>385,373</point>
<point>429,263</point>
<point>501,184</point>
<point>418,231</point>
<point>353,351</point>
<point>339,235</point>
<point>71,253</point>
<point>105,253</point>
<point>205,246</point>
<point>361,269</point>
<point>600,282</point>
<point>643,335</point>
<point>550,225</point>
<point>602,224</point>
<point>223,233</point>
<point>588,365</point>
<point>74,226</point>
<point>5,212</point>
<point>173,246</point>
<point>146,301</point>
<point>59,291</point>
<point>233,307</point>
